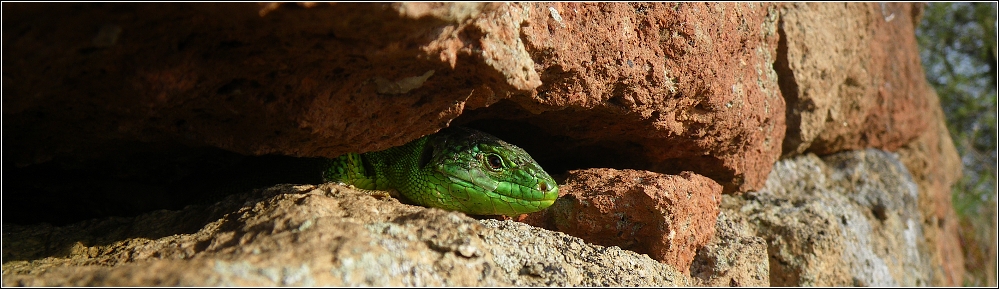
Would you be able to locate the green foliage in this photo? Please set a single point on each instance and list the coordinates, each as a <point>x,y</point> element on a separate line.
<point>959,51</point>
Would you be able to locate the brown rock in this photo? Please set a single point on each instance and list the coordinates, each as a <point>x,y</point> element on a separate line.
<point>665,88</point>
<point>292,81</point>
<point>325,235</point>
<point>851,76</point>
<point>848,219</point>
<point>668,217</point>
<point>659,87</point>
<point>935,166</point>
<point>734,257</point>
<point>654,86</point>
<point>852,79</point>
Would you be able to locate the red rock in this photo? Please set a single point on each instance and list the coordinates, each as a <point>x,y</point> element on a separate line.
<point>666,216</point>
<point>659,87</point>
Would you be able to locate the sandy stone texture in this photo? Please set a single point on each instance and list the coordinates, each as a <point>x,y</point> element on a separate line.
<point>634,107</point>
<point>308,235</point>
<point>667,217</point>
<point>851,76</point>
<point>847,219</point>
<point>661,87</point>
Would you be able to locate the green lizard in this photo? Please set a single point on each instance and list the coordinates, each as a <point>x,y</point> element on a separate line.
<point>457,169</point>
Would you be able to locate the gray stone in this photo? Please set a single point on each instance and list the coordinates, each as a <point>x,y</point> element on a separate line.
<point>325,235</point>
<point>848,219</point>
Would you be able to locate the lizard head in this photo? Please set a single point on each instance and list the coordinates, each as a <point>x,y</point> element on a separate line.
<point>493,176</point>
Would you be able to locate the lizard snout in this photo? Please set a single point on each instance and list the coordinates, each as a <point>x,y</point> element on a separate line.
<point>542,186</point>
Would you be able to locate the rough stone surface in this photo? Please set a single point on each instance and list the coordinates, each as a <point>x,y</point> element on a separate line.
<point>324,235</point>
<point>668,217</point>
<point>531,256</point>
<point>851,76</point>
<point>734,257</point>
<point>123,109</point>
<point>935,166</point>
<point>303,82</point>
<point>679,87</point>
<point>662,87</point>
<point>850,219</point>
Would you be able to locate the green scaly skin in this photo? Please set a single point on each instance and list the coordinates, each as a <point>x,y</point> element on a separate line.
<point>456,169</point>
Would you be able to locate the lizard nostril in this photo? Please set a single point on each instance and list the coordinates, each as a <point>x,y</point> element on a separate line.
<point>542,186</point>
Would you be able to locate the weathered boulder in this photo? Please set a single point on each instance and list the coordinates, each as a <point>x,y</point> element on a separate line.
<point>660,87</point>
<point>735,257</point>
<point>935,166</point>
<point>122,109</point>
<point>325,235</point>
<point>668,217</point>
<point>852,79</point>
<point>851,76</point>
<point>848,219</point>
<point>652,86</point>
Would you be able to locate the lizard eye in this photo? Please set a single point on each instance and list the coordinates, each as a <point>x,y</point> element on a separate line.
<point>494,161</point>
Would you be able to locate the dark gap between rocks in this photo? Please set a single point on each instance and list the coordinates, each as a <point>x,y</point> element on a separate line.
<point>63,190</point>
<point>146,177</point>
<point>556,153</point>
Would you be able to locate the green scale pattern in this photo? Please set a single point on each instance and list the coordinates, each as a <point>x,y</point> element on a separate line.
<point>456,169</point>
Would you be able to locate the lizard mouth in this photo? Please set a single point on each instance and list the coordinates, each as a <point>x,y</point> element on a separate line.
<point>506,198</point>
<point>541,192</point>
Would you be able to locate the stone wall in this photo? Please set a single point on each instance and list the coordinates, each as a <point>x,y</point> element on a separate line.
<point>715,138</point>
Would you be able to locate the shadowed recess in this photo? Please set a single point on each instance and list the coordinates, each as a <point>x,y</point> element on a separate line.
<point>149,177</point>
